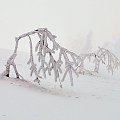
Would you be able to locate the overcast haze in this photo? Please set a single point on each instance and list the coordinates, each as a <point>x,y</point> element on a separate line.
<point>70,20</point>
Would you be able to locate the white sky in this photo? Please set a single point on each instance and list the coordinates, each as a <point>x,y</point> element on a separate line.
<point>70,20</point>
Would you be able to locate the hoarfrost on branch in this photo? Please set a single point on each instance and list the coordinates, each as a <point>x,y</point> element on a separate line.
<point>72,62</point>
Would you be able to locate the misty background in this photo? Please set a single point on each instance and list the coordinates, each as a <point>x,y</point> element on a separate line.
<point>74,22</point>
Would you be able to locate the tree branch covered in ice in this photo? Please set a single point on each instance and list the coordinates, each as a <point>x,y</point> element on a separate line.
<point>108,58</point>
<point>82,57</point>
<point>43,50</point>
<point>48,63</point>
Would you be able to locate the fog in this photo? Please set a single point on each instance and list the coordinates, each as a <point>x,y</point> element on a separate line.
<point>70,20</point>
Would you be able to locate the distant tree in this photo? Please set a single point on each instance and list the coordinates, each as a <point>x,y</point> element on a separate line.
<point>87,43</point>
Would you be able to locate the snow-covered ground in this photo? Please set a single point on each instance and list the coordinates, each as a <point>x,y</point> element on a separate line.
<point>91,97</point>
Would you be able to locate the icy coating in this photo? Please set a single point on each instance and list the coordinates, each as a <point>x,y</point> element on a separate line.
<point>72,62</point>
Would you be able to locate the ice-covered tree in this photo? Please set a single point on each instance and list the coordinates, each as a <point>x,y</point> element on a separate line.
<point>102,56</point>
<point>44,51</point>
<point>48,63</point>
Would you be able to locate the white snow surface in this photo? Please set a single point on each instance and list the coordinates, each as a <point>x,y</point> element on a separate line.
<point>91,97</point>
